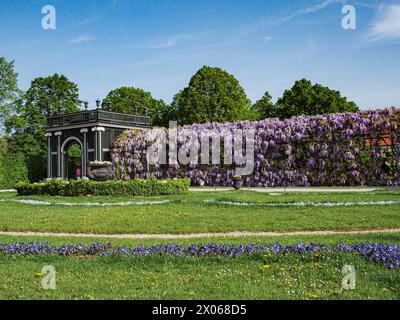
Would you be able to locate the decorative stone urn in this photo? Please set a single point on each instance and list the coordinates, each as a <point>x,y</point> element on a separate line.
<point>237,182</point>
<point>101,171</point>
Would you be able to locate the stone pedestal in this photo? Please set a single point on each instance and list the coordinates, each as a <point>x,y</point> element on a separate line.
<point>101,171</point>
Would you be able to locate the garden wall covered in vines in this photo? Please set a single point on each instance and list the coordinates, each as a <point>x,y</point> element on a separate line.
<point>337,149</point>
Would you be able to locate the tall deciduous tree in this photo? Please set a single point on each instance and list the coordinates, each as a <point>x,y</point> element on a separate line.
<point>212,95</point>
<point>55,92</point>
<point>9,92</point>
<point>264,108</point>
<point>131,100</point>
<point>304,98</point>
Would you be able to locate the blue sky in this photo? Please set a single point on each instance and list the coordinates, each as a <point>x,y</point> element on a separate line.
<point>158,45</point>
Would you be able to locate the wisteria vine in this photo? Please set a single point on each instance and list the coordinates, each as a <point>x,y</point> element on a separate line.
<point>336,149</point>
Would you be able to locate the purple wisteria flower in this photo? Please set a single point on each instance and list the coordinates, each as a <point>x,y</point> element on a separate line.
<point>321,148</point>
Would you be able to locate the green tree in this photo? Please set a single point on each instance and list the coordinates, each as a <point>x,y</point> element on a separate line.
<point>13,169</point>
<point>264,108</point>
<point>3,146</point>
<point>212,95</point>
<point>304,98</point>
<point>9,92</point>
<point>165,113</point>
<point>131,100</point>
<point>54,93</point>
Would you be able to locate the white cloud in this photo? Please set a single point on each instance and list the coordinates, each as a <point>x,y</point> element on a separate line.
<point>311,9</point>
<point>304,11</point>
<point>81,39</point>
<point>319,6</point>
<point>386,25</point>
<point>168,43</point>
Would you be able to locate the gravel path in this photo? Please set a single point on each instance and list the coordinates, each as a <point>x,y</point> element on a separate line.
<point>197,235</point>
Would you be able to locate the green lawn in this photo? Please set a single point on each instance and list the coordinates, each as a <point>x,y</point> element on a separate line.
<point>161,277</point>
<point>191,213</point>
<point>118,277</point>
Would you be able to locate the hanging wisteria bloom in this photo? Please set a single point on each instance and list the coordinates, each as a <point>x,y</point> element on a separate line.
<point>334,149</point>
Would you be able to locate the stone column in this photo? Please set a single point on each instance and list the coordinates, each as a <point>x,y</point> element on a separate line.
<point>49,156</point>
<point>59,156</point>
<point>96,138</point>
<point>84,153</point>
<point>98,145</point>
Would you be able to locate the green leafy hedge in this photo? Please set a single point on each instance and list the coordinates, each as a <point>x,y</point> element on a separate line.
<point>150,187</point>
<point>13,169</point>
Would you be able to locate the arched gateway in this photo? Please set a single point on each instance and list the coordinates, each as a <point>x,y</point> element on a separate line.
<point>92,130</point>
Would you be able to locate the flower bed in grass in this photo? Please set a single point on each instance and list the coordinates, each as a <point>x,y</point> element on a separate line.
<point>207,202</point>
<point>88,204</point>
<point>386,255</point>
<point>303,203</point>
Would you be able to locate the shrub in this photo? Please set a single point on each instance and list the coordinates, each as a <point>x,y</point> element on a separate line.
<point>151,187</point>
<point>36,167</point>
<point>12,170</point>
